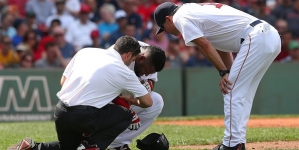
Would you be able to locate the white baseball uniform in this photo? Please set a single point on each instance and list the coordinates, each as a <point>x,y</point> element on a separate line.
<point>146,115</point>
<point>229,30</point>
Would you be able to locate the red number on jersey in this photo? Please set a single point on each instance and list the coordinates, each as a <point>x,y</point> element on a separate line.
<point>217,5</point>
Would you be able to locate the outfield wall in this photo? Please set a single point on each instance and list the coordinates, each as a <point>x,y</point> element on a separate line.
<point>31,94</point>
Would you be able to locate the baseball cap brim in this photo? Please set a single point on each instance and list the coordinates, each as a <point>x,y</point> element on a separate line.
<point>159,30</point>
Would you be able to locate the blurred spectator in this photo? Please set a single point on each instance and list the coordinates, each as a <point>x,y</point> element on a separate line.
<point>20,4</point>
<point>8,56</point>
<point>107,24</point>
<point>22,28</point>
<point>79,32</point>
<point>231,3</point>
<point>281,26</point>
<point>31,21</point>
<point>113,2</point>
<point>14,11</point>
<point>173,54</point>
<point>26,61</point>
<point>129,29</point>
<point>160,40</point>
<point>293,51</point>
<point>263,13</point>
<point>94,15</point>
<point>292,18</point>
<point>41,8</point>
<point>73,7</point>
<point>31,41</point>
<point>6,26</point>
<point>281,9</point>
<point>198,60</point>
<point>3,8</point>
<point>286,38</point>
<point>147,32</point>
<point>21,50</point>
<point>53,58</point>
<point>130,7</point>
<point>65,18</point>
<point>48,36</point>
<point>26,58</point>
<point>121,21</point>
<point>95,36</point>
<point>146,8</point>
<point>67,50</point>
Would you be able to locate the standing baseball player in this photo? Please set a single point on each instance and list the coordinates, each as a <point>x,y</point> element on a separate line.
<point>91,80</point>
<point>218,30</point>
<point>150,61</point>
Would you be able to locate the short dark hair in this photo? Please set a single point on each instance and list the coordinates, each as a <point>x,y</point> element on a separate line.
<point>157,57</point>
<point>50,44</point>
<point>126,44</point>
<point>56,21</point>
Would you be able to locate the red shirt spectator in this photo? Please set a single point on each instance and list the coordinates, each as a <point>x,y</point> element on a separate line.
<point>21,5</point>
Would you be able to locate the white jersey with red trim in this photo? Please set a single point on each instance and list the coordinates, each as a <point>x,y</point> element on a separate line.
<point>221,24</point>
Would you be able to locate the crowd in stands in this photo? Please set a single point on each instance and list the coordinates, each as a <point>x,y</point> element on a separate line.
<point>48,33</point>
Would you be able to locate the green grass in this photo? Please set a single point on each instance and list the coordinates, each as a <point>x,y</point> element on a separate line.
<point>11,133</point>
<point>221,117</point>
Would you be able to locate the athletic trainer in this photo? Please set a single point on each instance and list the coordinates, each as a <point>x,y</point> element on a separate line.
<point>91,80</point>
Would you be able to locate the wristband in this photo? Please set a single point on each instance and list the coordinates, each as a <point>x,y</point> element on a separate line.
<point>223,72</point>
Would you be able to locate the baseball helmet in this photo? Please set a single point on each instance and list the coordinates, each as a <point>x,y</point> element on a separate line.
<point>153,141</point>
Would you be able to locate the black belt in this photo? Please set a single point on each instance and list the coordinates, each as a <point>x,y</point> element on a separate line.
<point>74,107</point>
<point>253,24</point>
<point>256,22</point>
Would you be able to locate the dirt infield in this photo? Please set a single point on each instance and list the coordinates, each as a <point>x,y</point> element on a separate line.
<point>261,122</point>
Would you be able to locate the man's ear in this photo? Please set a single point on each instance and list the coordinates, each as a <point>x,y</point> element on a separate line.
<point>128,55</point>
<point>168,18</point>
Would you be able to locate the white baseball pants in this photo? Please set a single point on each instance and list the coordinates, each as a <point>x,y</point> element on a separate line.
<point>147,117</point>
<point>261,46</point>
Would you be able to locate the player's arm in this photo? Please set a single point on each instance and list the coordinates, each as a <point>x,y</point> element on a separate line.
<point>208,50</point>
<point>213,56</point>
<point>142,101</point>
<point>227,58</point>
<point>63,78</point>
<point>143,98</point>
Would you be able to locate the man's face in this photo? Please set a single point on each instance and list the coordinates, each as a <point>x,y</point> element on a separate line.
<point>143,66</point>
<point>6,44</point>
<point>60,7</point>
<point>294,54</point>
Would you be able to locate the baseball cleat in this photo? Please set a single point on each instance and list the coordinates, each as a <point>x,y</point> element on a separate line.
<point>240,146</point>
<point>124,147</point>
<point>25,144</point>
<point>88,144</point>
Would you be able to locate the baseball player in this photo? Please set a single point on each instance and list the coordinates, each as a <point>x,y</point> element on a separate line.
<point>218,30</point>
<point>92,79</point>
<point>150,61</point>
<point>147,75</point>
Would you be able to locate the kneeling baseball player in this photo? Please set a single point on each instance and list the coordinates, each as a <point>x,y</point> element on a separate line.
<point>147,64</point>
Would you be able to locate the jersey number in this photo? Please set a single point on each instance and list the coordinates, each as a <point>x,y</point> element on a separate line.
<point>217,5</point>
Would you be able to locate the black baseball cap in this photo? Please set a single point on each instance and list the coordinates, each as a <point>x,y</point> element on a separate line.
<point>161,12</point>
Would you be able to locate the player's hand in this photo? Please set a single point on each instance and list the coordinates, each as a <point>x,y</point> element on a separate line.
<point>148,85</point>
<point>225,84</point>
<point>135,124</point>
